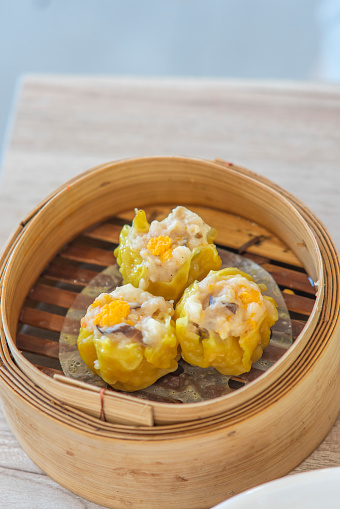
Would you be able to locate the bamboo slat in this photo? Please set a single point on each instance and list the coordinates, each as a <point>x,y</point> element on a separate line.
<point>69,274</point>
<point>88,254</point>
<point>42,319</point>
<point>39,346</point>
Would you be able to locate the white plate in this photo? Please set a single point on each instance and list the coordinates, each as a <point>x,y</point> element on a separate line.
<point>317,489</point>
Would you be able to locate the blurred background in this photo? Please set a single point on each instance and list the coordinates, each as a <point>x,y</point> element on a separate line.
<point>257,39</point>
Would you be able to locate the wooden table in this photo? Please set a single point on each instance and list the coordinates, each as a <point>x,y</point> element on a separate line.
<point>63,125</point>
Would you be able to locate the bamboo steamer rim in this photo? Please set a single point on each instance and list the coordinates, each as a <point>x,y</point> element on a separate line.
<point>234,404</point>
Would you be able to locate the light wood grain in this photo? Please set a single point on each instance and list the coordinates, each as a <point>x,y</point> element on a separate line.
<point>64,125</point>
<point>24,485</point>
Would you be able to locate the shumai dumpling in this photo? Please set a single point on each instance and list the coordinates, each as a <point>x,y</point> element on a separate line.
<point>166,256</point>
<point>224,321</point>
<point>127,337</point>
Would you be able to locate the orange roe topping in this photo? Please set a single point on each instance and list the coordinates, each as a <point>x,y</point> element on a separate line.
<point>166,255</point>
<point>249,296</point>
<point>160,246</point>
<point>112,313</point>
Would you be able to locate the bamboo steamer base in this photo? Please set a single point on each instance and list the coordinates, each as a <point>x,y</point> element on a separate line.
<point>152,454</point>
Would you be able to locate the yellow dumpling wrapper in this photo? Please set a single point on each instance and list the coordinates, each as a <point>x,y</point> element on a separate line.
<point>234,354</point>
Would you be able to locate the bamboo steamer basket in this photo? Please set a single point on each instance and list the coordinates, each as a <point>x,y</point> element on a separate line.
<point>148,454</point>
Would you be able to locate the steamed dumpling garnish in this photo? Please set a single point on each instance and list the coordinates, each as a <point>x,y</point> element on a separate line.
<point>164,257</point>
<point>127,337</point>
<point>224,321</point>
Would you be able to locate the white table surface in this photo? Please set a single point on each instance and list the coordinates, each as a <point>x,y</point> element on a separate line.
<point>63,125</point>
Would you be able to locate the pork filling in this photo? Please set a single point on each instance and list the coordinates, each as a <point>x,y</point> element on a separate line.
<point>228,307</point>
<point>169,243</point>
<point>129,314</point>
